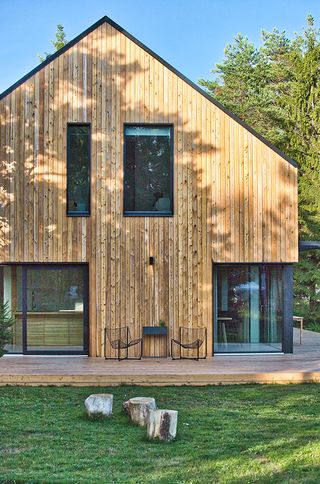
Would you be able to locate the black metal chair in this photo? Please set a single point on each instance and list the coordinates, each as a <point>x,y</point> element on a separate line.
<point>190,339</point>
<point>120,339</point>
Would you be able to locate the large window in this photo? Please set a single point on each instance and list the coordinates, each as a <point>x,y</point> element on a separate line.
<point>148,167</point>
<point>249,308</point>
<point>78,170</point>
<point>49,305</point>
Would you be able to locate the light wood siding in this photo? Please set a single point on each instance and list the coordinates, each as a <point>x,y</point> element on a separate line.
<point>235,199</point>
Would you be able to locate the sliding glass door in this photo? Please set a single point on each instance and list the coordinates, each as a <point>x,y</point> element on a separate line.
<point>54,309</point>
<point>50,306</point>
<point>249,308</point>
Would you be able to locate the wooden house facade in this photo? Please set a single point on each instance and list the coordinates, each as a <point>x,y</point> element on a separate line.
<point>130,197</point>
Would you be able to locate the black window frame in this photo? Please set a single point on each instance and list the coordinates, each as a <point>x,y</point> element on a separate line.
<point>71,213</point>
<point>86,305</point>
<point>287,303</point>
<point>150,213</point>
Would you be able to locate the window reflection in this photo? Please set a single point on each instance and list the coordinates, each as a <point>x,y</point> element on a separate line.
<point>53,308</point>
<point>148,167</point>
<point>78,175</point>
<point>250,309</point>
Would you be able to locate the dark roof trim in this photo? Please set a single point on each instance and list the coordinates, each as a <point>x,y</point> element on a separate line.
<point>166,64</point>
<point>308,245</point>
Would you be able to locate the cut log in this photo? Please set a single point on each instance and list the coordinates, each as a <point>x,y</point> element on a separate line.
<point>138,409</point>
<point>162,424</point>
<point>99,405</point>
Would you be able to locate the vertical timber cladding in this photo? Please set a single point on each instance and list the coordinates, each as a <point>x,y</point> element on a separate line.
<point>235,199</point>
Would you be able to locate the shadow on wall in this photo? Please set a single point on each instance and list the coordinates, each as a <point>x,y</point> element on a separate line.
<point>107,80</point>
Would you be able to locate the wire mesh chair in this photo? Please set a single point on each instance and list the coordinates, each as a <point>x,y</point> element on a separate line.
<point>120,339</point>
<point>191,339</point>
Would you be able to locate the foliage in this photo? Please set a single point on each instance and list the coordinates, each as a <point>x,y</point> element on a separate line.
<point>304,110</point>
<point>251,82</point>
<point>240,433</point>
<point>313,327</point>
<point>275,88</point>
<point>307,287</point>
<point>6,322</point>
<point>59,42</point>
<point>61,39</point>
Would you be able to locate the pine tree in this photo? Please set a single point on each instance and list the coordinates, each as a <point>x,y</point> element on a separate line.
<point>304,105</point>
<point>251,82</point>
<point>276,89</point>
<point>304,111</point>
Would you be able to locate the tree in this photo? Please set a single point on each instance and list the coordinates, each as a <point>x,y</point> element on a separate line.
<point>59,42</point>
<point>304,133</point>
<point>305,143</point>
<point>252,82</point>
<point>276,89</point>
<point>307,284</point>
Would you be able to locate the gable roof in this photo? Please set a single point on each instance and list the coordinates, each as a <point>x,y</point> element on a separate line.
<point>166,64</point>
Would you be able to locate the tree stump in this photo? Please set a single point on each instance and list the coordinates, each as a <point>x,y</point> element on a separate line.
<point>162,424</point>
<point>99,405</point>
<point>138,409</point>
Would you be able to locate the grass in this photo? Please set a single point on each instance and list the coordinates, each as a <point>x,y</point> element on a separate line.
<point>234,434</point>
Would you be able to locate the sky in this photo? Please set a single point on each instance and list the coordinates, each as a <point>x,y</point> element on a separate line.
<point>189,34</point>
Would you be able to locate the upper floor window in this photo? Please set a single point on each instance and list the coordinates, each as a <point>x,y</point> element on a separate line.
<point>78,170</point>
<point>148,170</point>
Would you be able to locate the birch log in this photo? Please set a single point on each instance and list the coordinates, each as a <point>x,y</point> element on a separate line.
<point>99,405</point>
<point>162,424</point>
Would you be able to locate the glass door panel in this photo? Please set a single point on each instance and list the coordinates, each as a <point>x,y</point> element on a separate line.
<point>55,309</point>
<point>249,308</point>
<point>11,297</point>
<point>271,306</point>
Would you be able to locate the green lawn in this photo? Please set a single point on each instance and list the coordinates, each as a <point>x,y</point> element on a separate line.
<point>225,434</point>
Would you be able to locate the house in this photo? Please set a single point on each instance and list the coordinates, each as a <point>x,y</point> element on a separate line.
<point>130,196</point>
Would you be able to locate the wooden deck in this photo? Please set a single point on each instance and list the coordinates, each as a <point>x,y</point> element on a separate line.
<point>302,366</point>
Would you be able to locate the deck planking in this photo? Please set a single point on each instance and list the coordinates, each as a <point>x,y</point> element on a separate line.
<point>300,367</point>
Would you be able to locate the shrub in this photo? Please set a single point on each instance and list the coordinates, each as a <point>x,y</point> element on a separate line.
<point>313,327</point>
<point>6,321</point>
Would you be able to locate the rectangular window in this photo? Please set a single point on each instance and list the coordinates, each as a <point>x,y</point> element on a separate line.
<point>78,170</point>
<point>148,170</point>
<point>49,304</point>
<point>250,314</point>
